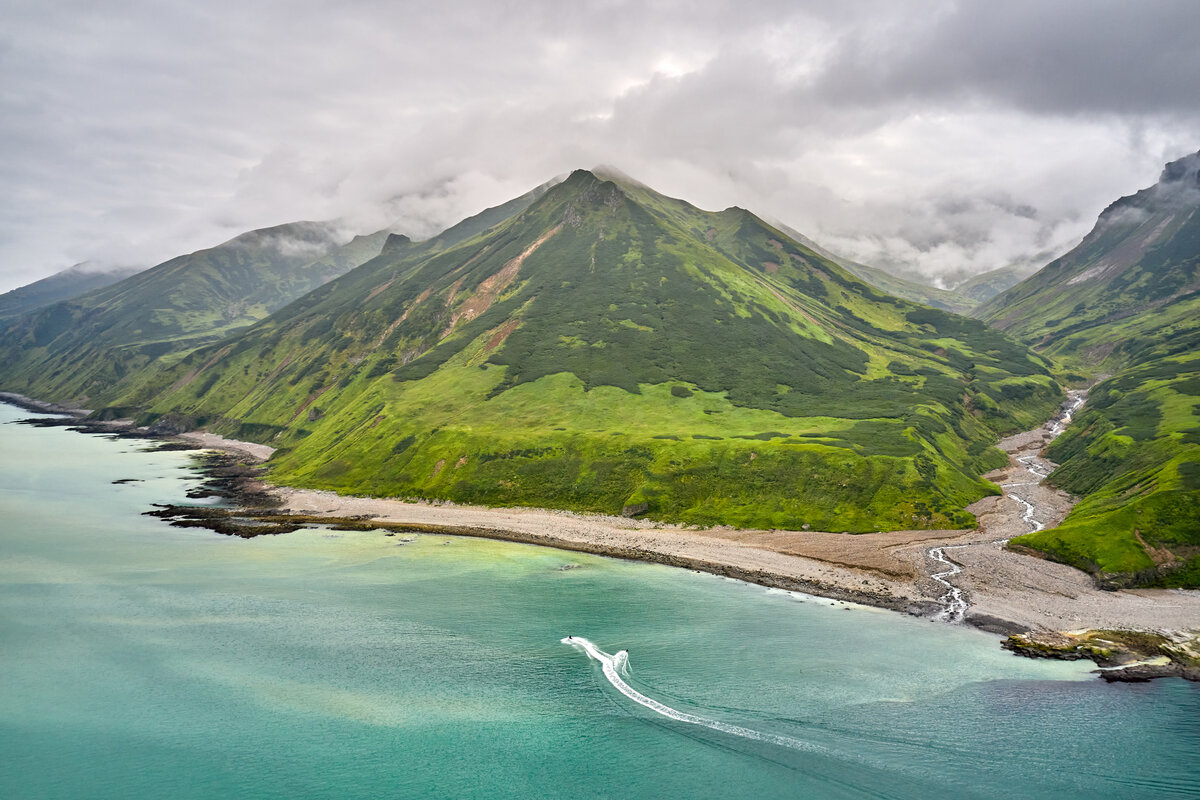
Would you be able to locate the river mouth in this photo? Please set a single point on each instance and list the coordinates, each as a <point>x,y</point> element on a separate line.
<point>1034,508</point>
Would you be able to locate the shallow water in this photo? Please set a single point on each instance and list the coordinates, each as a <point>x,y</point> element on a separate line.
<point>141,660</point>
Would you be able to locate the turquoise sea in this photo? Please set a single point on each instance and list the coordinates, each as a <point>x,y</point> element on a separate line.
<point>143,661</point>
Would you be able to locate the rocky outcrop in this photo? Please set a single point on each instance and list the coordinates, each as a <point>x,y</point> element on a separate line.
<point>1125,656</point>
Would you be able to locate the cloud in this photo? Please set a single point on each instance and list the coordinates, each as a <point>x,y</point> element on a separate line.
<point>936,138</point>
<point>1065,57</point>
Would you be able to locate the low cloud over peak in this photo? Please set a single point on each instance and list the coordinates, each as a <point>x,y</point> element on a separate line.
<point>939,139</point>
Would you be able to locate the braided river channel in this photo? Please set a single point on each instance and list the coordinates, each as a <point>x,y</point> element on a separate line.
<point>145,661</point>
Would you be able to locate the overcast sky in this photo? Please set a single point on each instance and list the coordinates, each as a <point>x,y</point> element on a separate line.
<point>946,138</point>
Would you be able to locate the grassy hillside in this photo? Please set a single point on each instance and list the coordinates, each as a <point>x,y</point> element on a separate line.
<point>1134,457</point>
<point>84,349</point>
<point>892,284</point>
<point>60,286</point>
<point>610,349</point>
<point>1127,302</point>
<point>987,285</point>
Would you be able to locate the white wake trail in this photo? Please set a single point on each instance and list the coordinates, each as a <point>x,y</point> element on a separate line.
<point>614,664</point>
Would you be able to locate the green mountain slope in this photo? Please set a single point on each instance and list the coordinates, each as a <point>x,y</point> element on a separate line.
<point>1127,301</point>
<point>609,349</point>
<point>83,349</point>
<point>892,284</point>
<point>985,286</point>
<point>61,286</point>
<point>1132,279</point>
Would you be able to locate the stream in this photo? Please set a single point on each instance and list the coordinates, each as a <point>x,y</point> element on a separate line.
<point>954,601</point>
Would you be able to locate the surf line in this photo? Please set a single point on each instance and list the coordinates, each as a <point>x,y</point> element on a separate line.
<point>614,664</point>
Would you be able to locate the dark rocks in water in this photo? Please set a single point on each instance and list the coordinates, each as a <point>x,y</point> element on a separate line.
<point>991,624</point>
<point>170,447</point>
<point>1141,673</point>
<point>222,520</point>
<point>1124,654</point>
<point>230,478</point>
<point>1045,644</point>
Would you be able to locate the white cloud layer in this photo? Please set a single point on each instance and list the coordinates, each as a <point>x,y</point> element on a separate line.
<point>936,138</point>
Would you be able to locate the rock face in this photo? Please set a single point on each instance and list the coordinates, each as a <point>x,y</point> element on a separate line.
<point>1185,172</point>
<point>1140,673</point>
<point>634,509</point>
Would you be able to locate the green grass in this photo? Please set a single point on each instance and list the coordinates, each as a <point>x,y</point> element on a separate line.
<point>1125,302</point>
<point>1134,456</point>
<point>642,353</point>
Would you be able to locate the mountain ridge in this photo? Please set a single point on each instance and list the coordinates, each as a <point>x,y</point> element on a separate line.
<point>1126,302</point>
<point>608,348</point>
<point>64,285</point>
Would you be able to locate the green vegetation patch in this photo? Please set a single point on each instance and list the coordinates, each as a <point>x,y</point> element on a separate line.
<point>1130,452</point>
<point>590,352</point>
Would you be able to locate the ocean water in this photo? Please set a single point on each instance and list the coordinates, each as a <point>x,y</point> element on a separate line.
<point>140,660</point>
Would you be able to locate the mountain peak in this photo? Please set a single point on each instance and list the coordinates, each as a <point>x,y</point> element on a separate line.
<point>1184,170</point>
<point>610,173</point>
<point>1138,265</point>
<point>395,241</point>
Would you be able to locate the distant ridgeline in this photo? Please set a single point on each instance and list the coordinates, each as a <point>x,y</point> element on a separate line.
<point>592,346</point>
<point>87,348</point>
<point>1126,302</point>
<point>64,285</point>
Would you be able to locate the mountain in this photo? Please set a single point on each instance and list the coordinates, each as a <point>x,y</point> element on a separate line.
<point>1134,276</point>
<point>64,285</point>
<point>892,284</point>
<point>82,348</point>
<point>1126,301</point>
<point>611,349</point>
<point>95,347</point>
<point>986,285</point>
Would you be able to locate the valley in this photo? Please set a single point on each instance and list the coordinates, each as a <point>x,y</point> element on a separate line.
<point>646,400</point>
<point>668,378</point>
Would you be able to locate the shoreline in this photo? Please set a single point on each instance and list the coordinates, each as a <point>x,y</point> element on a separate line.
<point>41,406</point>
<point>725,552</point>
<point>1009,593</point>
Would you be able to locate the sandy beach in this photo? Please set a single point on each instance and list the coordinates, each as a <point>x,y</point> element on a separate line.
<point>890,569</point>
<point>261,452</point>
<point>1004,590</point>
